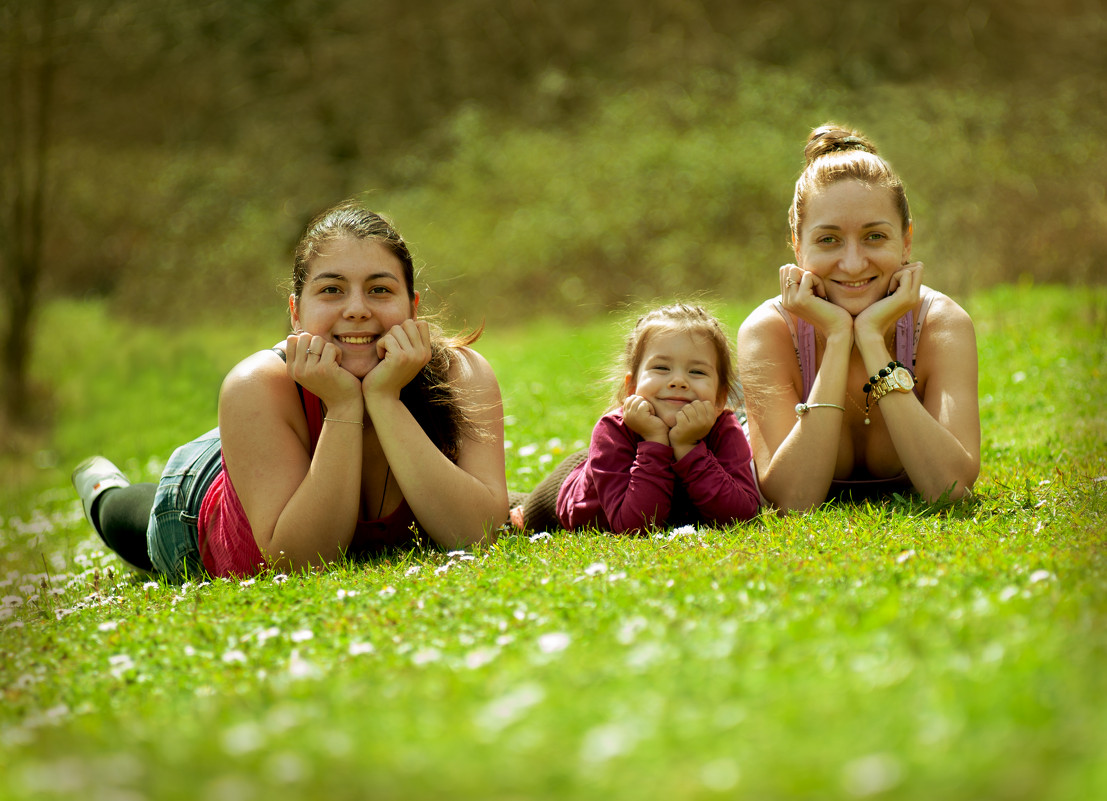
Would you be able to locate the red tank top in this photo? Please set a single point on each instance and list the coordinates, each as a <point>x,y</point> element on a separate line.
<point>227,544</point>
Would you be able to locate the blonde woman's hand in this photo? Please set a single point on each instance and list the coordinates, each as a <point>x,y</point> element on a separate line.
<point>403,352</point>
<point>803,294</point>
<point>640,417</point>
<point>693,422</point>
<point>903,295</point>
<point>316,365</point>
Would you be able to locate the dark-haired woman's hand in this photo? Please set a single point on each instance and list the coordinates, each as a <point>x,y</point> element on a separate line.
<point>903,295</point>
<point>316,365</point>
<point>802,293</point>
<point>403,352</point>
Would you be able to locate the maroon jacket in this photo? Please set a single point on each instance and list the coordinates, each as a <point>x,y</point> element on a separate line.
<point>627,483</point>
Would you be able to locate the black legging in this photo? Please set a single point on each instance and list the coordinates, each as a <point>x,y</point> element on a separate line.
<point>540,505</point>
<point>121,516</point>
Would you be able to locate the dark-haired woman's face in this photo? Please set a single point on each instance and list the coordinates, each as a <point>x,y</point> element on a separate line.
<point>852,239</point>
<point>355,293</point>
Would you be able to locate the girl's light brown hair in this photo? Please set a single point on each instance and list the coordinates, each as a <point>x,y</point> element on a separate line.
<point>694,320</point>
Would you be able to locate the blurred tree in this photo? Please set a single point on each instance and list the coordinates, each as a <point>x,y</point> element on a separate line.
<point>31,50</point>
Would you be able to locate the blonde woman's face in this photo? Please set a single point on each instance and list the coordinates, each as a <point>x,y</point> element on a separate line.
<point>852,238</point>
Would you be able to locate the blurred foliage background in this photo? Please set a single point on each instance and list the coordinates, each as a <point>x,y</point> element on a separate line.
<point>557,158</point>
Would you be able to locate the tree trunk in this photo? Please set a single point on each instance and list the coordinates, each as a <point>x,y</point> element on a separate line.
<point>30,83</point>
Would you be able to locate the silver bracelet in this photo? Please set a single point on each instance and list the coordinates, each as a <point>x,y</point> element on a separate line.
<point>801,408</point>
<point>351,422</point>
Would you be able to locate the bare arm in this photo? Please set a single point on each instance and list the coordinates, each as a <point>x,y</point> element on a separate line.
<point>456,504</point>
<point>302,511</point>
<point>938,439</point>
<point>795,458</point>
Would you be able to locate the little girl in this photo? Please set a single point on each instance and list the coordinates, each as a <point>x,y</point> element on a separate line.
<point>670,451</point>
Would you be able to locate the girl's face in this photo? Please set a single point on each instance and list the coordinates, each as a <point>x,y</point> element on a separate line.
<point>852,238</point>
<point>354,293</point>
<point>677,368</point>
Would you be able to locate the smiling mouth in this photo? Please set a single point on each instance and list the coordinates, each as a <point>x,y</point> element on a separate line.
<point>354,340</point>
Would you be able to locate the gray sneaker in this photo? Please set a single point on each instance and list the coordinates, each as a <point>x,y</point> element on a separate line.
<point>91,477</point>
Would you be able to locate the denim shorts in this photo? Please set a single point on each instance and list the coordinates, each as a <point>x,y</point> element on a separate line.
<point>172,537</point>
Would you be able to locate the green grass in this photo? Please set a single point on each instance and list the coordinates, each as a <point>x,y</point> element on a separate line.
<point>894,651</point>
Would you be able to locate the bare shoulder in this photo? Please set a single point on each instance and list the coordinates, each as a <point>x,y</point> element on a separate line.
<point>470,369</point>
<point>764,320</point>
<point>260,378</point>
<point>764,334</point>
<point>946,322</point>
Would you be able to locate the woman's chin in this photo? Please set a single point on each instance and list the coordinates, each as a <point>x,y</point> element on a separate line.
<point>359,368</point>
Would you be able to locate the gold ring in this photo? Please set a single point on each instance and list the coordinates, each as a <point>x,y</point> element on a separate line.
<point>789,283</point>
<point>313,353</point>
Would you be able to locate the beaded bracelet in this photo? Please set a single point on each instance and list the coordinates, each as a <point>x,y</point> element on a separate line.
<point>882,373</point>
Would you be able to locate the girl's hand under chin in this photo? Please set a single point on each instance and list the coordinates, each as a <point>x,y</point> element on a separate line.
<point>903,295</point>
<point>403,352</point>
<point>802,293</point>
<point>693,423</point>
<point>639,415</point>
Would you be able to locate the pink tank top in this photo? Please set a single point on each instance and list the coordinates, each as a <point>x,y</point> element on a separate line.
<point>908,331</point>
<point>227,544</point>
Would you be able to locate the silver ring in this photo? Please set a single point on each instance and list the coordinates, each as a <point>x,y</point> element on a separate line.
<point>789,283</point>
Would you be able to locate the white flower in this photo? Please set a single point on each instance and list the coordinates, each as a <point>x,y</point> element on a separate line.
<point>553,642</point>
<point>243,738</point>
<point>234,657</point>
<point>509,707</point>
<point>720,775</point>
<point>903,557</point>
<point>424,656</point>
<point>346,594</point>
<point>280,578</point>
<point>150,585</point>
<point>411,571</point>
<point>246,583</point>
<point>387,592</point>
<point>528,450</point>
<point>359,648</point>
<point>303,635</point>
<point>120,664</point>
<point>110,625</point>
<point>266,634</point>
<point>609,740</point>
<point>870,775</point>
<point>300,668</point>
<point>595,569</point>
<point>479,657</point>
<point>541,535</point>
<point>1040,575</point>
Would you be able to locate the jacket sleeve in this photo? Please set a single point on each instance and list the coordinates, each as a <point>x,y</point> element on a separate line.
<point>717,474</point>
<point>633,478</point>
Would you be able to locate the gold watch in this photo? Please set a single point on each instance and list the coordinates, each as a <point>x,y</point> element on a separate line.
<point>899,379</point>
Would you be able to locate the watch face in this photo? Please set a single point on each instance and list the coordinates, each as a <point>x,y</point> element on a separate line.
<point>903,377</point>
